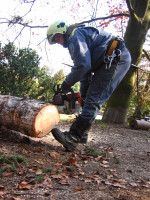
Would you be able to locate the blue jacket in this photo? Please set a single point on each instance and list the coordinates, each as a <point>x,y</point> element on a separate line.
<point>87,47</point>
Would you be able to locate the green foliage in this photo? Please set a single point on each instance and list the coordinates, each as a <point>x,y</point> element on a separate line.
<point>76,87</point>
<point>140,101</point>
<point>18,70</point>
<point>20,74</point>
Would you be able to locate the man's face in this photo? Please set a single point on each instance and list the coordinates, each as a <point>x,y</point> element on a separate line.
<point>58,38</point>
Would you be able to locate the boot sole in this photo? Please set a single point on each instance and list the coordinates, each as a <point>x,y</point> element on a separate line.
<point>57,135</point>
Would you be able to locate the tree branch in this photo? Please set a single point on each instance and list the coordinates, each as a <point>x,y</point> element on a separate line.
<point>32,3</point>
<point>146,54</point>
<point>18,34</point>
<point>107,17</point>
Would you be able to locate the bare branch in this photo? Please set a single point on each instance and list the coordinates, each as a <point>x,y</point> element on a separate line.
<point>146,54</point>
<point>107,17</point>
<point>30,8</point>
<point>18,34</point>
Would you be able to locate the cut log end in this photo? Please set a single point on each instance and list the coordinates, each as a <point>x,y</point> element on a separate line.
<point>45,120</point>
<point>30,117</point>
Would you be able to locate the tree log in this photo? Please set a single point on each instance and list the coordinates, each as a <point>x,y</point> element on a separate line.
<point>30,117</point>
<point>140,124</point>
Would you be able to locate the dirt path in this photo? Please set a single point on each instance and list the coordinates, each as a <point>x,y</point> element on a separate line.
<point>115,164</point>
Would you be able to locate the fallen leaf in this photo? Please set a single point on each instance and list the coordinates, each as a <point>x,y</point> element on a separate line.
<point>39,171</point>
<point>54,154</point>
<point>31,170</point>
<point>99,158</point>
<point>148,153</point>
<point>105,166</point>
<point>78,189</point>
<point>5,174</point>
<point>72,161</point>
<point>105,162</point>
<point>64,182</point>
<point>1,194</point>
<point>118,185</point>
<point>13,198</point>
<point>87,180</point>
<point>57,176</point>
<point>25,185</point>
<point>2,187</point>
<point>97,181</point>
<point>58,164</point>
<point>38,150</point>
<point>133,184</point>
<point>39,162</point>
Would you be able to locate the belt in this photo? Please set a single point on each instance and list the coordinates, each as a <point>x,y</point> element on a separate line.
<point>115,42</point>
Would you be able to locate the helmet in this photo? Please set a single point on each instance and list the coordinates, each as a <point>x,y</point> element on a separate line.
<point>59,26</point>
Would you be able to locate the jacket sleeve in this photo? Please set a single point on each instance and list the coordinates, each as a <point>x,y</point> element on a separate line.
<point>81,57</point>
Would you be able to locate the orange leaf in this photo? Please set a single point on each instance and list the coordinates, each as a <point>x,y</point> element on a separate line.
<point>39,171</point>
<point>1,194</point>
<point>72,161</point>
<point>25,185</point>
<point>78,189</point>
<point>2,187</point>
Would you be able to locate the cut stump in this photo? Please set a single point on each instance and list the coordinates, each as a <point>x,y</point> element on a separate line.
<point>30,117</point>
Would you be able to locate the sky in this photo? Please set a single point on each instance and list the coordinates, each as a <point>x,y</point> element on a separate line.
<point>43,14</point>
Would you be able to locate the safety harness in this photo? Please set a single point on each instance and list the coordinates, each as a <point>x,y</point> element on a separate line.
<point>113,52</point>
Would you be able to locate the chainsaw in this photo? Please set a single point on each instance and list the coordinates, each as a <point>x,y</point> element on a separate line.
<point>67,103</point>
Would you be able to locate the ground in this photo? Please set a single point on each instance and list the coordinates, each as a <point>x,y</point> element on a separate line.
<point>115,164</point>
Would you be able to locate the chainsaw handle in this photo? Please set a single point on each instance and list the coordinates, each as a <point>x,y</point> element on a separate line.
<point>57,88</point>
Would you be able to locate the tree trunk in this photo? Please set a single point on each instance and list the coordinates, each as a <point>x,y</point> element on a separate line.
<point>30,117</point>
<point>135,35</point>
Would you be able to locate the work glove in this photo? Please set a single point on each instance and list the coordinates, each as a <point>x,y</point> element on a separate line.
<point>65,87</point>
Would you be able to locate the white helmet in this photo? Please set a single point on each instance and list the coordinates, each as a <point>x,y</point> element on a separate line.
<point>59,26</point>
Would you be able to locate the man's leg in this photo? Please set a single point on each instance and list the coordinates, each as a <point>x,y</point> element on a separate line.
<point>103,84</point>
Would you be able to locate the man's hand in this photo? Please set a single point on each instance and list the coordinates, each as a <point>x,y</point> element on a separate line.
<point>65,87</point>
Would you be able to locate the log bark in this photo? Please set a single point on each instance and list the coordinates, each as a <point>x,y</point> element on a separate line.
<point>30,117</point>
<point>140,124</point>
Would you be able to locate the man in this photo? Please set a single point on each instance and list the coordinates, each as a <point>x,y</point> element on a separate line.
<point>100,63</point>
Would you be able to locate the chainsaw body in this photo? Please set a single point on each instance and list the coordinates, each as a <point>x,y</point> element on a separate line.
<point>67,103</point>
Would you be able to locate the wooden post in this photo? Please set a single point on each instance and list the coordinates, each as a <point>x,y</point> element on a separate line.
<point>30,117</point>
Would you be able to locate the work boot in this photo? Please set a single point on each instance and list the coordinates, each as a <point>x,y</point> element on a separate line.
<point>84,139</point>
<point>76,134</point>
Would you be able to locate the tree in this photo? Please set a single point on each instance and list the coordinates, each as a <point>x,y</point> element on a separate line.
<point>18,70</point>
<point>135,36</point>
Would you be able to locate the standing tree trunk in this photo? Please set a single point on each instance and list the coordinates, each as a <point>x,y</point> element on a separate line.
<point>30,117</point>
<point>135,35</point>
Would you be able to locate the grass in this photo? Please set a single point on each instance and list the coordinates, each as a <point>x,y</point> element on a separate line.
<point>47,170</point>
<point>39,178</point>
<point>94,152</point>
<point>116,159</point>
<point>10,162</point>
